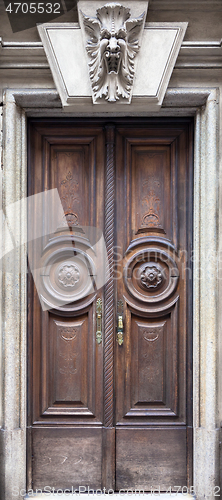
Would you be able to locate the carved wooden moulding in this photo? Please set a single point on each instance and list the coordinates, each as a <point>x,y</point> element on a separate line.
<point>113,43</point>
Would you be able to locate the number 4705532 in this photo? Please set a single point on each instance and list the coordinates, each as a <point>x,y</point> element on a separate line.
<point>33,8</point>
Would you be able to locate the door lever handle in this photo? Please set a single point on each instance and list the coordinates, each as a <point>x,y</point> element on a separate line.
<point>120,322</point>
<point>99,321</point>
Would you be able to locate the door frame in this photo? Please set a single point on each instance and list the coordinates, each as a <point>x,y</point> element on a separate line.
<point>20,103</point>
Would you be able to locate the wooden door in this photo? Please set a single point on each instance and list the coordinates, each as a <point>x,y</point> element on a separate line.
<point>117,413</point>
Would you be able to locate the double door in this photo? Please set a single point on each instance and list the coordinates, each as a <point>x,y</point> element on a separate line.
<point>110,326</point>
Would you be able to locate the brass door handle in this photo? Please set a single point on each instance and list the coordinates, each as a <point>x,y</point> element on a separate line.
<point>99,321</point>
<point>120,322</point>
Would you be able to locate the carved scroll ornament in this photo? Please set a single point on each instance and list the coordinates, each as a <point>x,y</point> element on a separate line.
<point>112,47</point>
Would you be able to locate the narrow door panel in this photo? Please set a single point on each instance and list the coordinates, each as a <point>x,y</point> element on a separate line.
<point>154,367</point>
<point>151,383</point>
<point>150,189</point>
<point>66,364</point>
<point>69,367</point>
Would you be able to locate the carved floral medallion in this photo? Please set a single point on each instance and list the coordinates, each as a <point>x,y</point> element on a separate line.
<point>151,277</point>
<point>68,275</point>
<point>112,46</point>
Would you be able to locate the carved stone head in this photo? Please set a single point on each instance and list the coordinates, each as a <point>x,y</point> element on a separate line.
<point>112,46</point>
<point>113,35</point>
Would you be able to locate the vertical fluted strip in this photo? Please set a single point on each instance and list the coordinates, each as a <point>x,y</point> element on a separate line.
<point>109,287</point>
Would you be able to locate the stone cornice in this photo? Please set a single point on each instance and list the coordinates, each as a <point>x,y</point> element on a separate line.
<point>22,55</point>
<point>200,54</point>
<point>185,99</point>
<point>31,55</point>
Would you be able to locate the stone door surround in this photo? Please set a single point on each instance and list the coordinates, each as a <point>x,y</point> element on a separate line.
<point>203,104</point>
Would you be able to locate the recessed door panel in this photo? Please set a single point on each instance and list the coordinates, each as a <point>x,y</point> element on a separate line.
<point>69,367</point>
<point>154,366</point>
<point>143,457</point>
<point>150,188</point>
<point>65,457</point>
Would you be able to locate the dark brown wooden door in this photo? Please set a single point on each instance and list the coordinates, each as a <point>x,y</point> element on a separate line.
<point>117,413</point>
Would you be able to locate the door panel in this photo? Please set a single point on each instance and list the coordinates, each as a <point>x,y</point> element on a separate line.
<point>143,458</point>
<point>153,358</point>
<point>115,414</point>
<point>66,364</point>
<point>150,188</point>
<point>151,383</point>
<point>64,457</point>
<point>70,368</point>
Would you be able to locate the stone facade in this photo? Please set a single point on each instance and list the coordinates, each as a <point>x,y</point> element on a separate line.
<point>193,89</point>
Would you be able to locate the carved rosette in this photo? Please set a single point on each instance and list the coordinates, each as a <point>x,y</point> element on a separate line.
<point>151,277</point>
<point>68,275</point>
<point>113,42</point>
